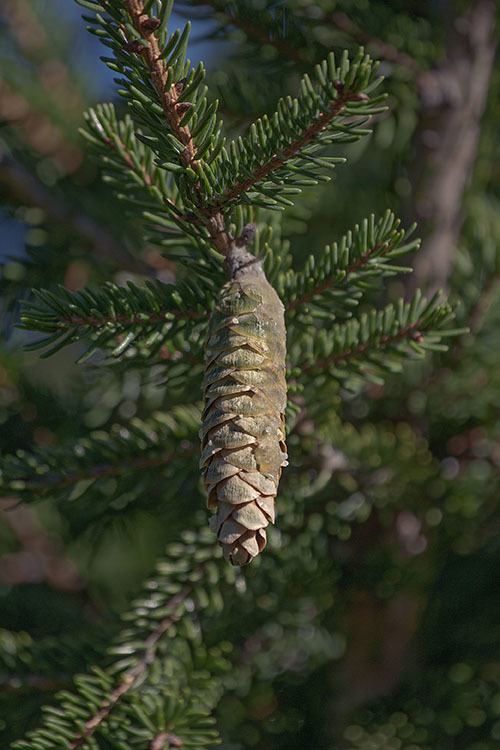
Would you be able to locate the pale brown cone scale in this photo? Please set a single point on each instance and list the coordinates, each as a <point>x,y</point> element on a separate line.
<point>243,431</point>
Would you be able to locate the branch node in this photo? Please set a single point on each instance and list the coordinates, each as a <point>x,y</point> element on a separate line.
<point>182,107</point>
<point>150,24</point>
<point>135,47</point>
<point>180,85</point>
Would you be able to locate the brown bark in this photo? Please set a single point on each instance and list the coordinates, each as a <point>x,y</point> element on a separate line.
<point>130,678</point>
<point>453,98</point>
<point>380,632</point>
<point>379,647</point>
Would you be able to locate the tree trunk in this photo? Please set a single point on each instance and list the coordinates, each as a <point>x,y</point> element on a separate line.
<point>453,98</point>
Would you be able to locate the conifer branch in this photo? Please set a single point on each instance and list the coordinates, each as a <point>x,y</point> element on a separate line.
<point>156,685</point>
<point>282,152</point>
<point>166,441</point>
<point>375,340</point>
<point>155,312</point>
<point>146,25</point>
<point>131,677</point>
<point>412,331</point>
<point>278,160</point>
<point>128,320</point>
<point>40,483</point>
<point>328,283</point>
<point>101,703</point>
<point>174,113</point>
<point>145,186</point>
<point>119,148</point>
<point>338,277</point>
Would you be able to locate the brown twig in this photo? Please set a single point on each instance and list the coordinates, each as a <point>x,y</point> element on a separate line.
<point>157,317</point>
<point>173,111</point>
<point>125,154</point>
<point>107,470</point>
<point>131,677</point>
<point>159,75</point>
<point>328,283</point>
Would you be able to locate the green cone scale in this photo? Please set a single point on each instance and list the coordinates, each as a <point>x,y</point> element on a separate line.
<point>243,431</point>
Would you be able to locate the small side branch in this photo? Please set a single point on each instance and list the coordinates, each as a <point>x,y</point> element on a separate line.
<point>328,283</point>
<point>131,677</point>
<point>290,151</point>
<point>101,471</point>
<point>411,331</point>
<point>125,155</point>
<point>128,320</point>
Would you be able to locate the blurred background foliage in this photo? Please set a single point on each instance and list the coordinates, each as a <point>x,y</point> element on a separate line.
<point>389,637</point>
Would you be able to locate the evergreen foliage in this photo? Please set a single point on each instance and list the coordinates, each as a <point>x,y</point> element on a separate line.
<point>387,510</point>
<point>179,691</point>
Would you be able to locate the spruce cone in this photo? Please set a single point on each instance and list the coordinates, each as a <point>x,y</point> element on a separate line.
<point>243,432</point>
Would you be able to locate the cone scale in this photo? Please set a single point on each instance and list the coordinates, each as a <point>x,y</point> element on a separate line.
<point>243,423</point>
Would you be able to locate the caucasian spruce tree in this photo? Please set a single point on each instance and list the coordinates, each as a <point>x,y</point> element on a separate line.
<point>246,354</point>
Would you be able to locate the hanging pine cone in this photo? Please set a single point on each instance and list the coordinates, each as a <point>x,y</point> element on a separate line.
<point>243,432</point>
